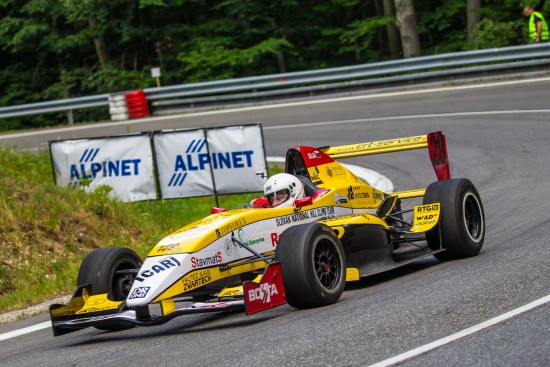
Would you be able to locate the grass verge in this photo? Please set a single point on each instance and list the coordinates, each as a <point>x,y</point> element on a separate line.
<point>46,230</point>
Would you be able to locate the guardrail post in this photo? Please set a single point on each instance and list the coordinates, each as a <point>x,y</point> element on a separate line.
<point>70,117</point>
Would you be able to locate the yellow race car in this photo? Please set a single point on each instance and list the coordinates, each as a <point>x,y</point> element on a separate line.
<point>339,229</point>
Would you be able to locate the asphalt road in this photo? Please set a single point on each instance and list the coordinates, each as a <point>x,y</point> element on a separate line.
<point>497,136</point>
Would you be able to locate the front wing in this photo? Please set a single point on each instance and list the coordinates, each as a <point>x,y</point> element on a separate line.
<point>84,311</point>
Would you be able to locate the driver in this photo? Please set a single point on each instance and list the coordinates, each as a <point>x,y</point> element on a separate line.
<point>280,190</point>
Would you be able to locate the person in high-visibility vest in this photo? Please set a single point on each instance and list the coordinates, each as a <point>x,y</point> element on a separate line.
<point>538,28</point>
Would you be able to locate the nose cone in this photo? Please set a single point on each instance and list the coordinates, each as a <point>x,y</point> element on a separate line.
<point>154,277</point>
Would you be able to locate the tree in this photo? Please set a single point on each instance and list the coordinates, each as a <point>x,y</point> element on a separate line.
<point>473,17</point>
<point>391,30</point>
<point>406,22</point>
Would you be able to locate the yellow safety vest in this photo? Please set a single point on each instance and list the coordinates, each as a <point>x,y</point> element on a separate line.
<point>544,34</point>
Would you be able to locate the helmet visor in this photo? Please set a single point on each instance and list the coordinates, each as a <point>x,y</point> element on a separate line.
<point>278,197</point>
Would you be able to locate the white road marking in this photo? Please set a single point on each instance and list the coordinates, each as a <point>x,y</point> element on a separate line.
<point>461,334</point>
<point>301,103</point>
<point>26,330</point>
<point>406,117</point>
<point>388,362</point>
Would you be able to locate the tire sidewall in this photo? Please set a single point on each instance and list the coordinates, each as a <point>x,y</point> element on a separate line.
<point>295,251</point>
<point>99,269</point>
<point>454,195</point>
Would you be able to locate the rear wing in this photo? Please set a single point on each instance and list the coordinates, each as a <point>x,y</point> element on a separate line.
<point>435,142</point>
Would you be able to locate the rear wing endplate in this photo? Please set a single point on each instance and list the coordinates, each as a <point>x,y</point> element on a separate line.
<point>435,142</point>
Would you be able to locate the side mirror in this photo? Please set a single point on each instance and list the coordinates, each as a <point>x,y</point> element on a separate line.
<point>215,210</point>
<point>305,201</point>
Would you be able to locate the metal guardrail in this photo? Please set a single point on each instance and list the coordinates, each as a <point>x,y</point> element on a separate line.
<point>310,81</point>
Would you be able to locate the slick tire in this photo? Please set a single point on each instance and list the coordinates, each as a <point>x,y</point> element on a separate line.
<point>99,269</point>
<point>462,220</point>
<point>313,265</point>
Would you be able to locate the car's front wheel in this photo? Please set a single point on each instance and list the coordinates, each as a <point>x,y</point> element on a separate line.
<point>313,265</point>
<point>461,228</point>
<point>104,270</point>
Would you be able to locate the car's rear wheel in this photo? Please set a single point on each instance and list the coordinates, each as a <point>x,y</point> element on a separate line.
<point>104,269</point>
<point>313,265</point>
<point>461,228</point>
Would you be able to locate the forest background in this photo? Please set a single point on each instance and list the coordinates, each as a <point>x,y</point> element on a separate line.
<point>55,49</point>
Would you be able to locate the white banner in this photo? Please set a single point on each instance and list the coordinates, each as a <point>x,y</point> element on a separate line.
<point>187,161</point>
<point>238,159</point>
<point>123,163</point>
<point>183,164</point>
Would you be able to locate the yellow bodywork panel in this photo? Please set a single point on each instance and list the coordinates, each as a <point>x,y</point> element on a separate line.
<point>86,304</point>
<point>377,147</point>
<point>425,217</point>
<point>409,194</point>
<point>168,306</point>
<point>339,223</point>
<point>200,277</point>
<point>238,290</point>
<point>352,274</point>
<point>231,292</point>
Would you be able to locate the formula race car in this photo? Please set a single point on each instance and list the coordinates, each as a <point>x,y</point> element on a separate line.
<point>342,229</point>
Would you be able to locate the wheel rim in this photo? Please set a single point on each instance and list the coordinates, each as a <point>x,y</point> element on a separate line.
<point>122,283</point>
<point>473,218</point>
<point>328,264</point>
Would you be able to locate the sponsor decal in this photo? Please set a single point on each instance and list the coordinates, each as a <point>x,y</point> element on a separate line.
<point>139,292</point>
<point>274,239</point>
<point>354,193</point>
<point>263,293</point>
<point>236,224</point>
<point>200,262</point>
<point>88,168</point>
<point>240,234</point>
<point>382,143</point>
<point>329,171</point>
<point>377,195</point>
<point>228,245</point>
<point>338,171</point>
<point>427,208</point>
<point>254,241</point>
<point>167,248</point>
<point>425,216</point>
<point>197,158</point>
<point>315,214</point>
<point>313,155</point>
<point>163,264</point>
<point>196,279</point>
<point>315,176</point>
<point>323,213</point>
<point>266,294</point>
<point>340,199</point>
<point>233,293</point>
<point>94,309</point>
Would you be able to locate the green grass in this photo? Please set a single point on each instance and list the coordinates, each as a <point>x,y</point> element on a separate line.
<point>45,230</point>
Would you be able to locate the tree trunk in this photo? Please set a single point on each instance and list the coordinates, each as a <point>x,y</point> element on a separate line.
<point>391,31</point>
<point>474,17</point>
<point>100,45</point>
<point>406,22</point>
<point>281,62</point>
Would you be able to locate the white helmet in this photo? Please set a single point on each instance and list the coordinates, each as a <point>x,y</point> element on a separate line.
<point>282,189</point>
